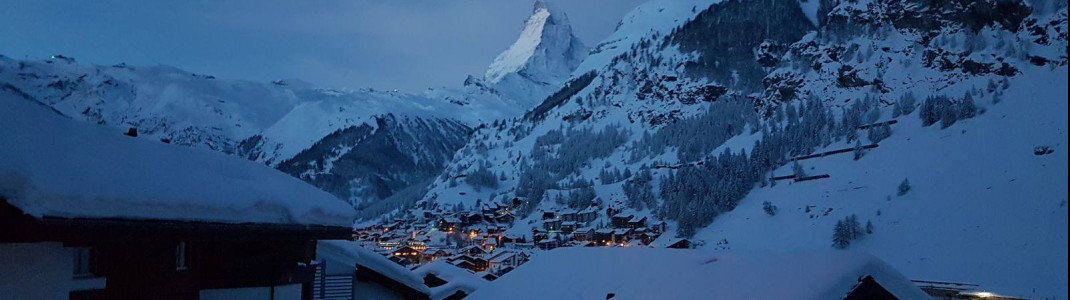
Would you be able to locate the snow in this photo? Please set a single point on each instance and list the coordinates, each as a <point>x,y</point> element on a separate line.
<point>983,208</point>
<point>352,254</point>
<point>546,50</point>
<point>646,273</point>
<point>457,279</point>
<point>51,166</point>
<point>810,8</point>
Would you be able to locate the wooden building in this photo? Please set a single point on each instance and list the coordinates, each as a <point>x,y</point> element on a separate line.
<point>88,213</point>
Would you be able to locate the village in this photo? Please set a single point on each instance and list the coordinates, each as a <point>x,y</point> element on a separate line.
<point>483,241</point>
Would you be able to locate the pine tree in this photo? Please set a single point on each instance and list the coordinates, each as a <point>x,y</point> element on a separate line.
<point>769,208</point>
<point>840,238</point>
<point>869,227</point>
<point>859,152</point>
<point>904,187</point>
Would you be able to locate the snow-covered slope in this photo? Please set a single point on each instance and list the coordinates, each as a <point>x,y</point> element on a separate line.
<point>982,207</point>
<point>51,166</point>
<point>540,60</point>
<point>714,102</point>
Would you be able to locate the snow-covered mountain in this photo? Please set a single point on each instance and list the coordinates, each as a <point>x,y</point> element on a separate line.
<point>361,145</point>
<point>539,61</point>
<point>700,112</point>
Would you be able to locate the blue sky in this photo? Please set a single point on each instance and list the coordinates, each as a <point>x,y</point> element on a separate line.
<point>401,44</point>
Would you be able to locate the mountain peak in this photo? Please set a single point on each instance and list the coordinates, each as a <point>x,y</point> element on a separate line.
<point>546,51</point>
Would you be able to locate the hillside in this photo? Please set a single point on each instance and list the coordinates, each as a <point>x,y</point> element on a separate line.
<point>689,123</point>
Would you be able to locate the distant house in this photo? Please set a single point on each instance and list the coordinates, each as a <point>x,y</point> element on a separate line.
<point>568,226</point>
<point>620,221</point>
<point>651,273</point>
<point>680,244</point>
<point>474,264</point>
<point>506,259</point>
<point>472,251</point>
<point>604,236</point>
<point>583,234</point>
<point>410,253</point>
<point>87,213</point>
<point>636,223</point>
<point>569,215</point>
<point>552,224</point>
<point>448,224</point>
<point>587,215</point>
<point>433,254</point>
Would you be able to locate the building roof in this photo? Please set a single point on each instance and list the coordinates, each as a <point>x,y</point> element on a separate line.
<point>351,253</point>
<point>54,167</point>
<point>457,279</point>
<point>692,274</point>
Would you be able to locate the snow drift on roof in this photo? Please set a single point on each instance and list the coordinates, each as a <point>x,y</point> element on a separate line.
<point>351,253</point>
<point>457,279</point>
<point>645,273</point>
<point>56,167</point>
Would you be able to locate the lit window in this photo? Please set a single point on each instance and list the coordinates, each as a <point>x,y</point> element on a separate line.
<point>182,256</point>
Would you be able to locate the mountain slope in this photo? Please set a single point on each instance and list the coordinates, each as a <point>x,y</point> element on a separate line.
<point>540,60</point>
<point>689,120</point>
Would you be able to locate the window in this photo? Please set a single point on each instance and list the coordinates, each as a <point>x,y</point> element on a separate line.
<point>86,262</point>
<point>182,256</point>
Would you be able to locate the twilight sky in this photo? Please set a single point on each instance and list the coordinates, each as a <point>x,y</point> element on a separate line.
<point>386,44</point>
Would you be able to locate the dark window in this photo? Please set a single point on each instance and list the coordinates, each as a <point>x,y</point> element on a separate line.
<point>86,262</point>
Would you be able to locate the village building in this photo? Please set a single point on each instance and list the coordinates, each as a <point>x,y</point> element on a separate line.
<point>88,213</point>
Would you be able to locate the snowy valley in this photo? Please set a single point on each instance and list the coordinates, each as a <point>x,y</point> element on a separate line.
<point>912,145</point>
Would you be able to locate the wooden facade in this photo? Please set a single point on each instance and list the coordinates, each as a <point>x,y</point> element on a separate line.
<point>155,259</point>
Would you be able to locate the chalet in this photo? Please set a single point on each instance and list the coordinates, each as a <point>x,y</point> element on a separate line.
<point>620,221</point>
<point>679,244</point>
<point>433,254</point>
<point>587,215</point>
<point>604,236</point>
<point>448,224</point>
<point>551,225</point>
<point>646,238</point>
<point>490,244</point>
<point>87,213</point>
<point>408,252</point>
<point>595,272</point>
<point>548,244</point>
<point>636,223</point>
<point>474,264</point>
<point>568,226</point>
<point>472,251</point>
<point>569,215</point>
<point>507,259</point>
<point>583,234</point>
<point>622,235</point>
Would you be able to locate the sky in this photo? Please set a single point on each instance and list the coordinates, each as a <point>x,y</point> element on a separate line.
<point>409,45</point>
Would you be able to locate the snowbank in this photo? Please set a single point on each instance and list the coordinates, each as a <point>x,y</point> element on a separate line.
<point>457,279</point>
<point>57,167</point>
<point>644,273</point>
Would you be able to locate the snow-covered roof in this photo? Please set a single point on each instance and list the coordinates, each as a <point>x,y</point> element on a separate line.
<point>645,273</point>
<point>52,166</point>
<point>350,253</point>
<point>456,279</point>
